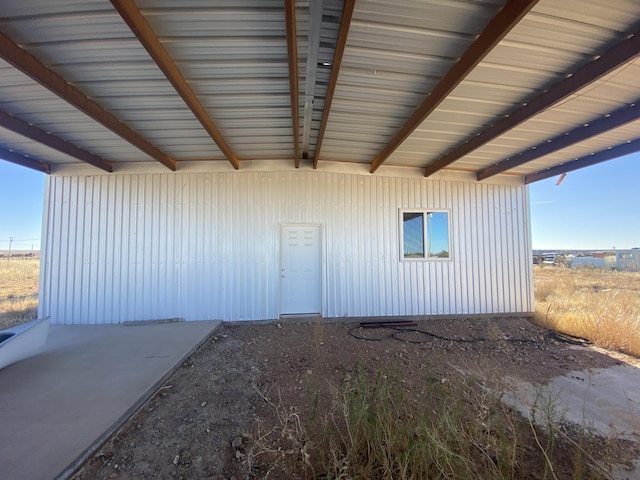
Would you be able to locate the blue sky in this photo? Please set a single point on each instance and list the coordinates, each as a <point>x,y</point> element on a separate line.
<point>21,192</point>
<point>593,208</point>
<point>596,207</point>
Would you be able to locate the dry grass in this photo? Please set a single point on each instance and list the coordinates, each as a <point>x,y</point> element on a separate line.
<point>459,429</point>
<point>18,290</point>
<point>598,304</point>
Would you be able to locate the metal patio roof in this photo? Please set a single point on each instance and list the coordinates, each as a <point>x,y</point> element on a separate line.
<point>522,88</point>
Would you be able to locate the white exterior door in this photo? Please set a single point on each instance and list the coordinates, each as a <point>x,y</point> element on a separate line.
<point>301,270</point>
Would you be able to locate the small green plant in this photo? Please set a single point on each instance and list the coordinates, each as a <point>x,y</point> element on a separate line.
<point>545,413</point>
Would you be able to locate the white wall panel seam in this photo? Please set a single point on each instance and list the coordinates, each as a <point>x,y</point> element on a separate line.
<point>43,300</point>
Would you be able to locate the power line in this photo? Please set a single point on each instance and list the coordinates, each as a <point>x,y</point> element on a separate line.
<point>12,243</point>
<point>21,240</point>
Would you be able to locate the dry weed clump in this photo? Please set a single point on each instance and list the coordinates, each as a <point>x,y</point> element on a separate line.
<point>458,429</point>
<point>600,305</point>
<point>18,290</point>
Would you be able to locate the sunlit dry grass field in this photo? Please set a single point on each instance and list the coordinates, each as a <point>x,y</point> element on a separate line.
<point>18,290</point>
<point>601,305</point>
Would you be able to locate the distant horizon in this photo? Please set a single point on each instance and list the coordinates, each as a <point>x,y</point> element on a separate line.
<point>19,253</point>
<point>596,208</point>
<point>555,250</point>
<point>550,250</point>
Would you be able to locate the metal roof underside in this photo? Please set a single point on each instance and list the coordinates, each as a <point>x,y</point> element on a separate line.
<point>526,88</point>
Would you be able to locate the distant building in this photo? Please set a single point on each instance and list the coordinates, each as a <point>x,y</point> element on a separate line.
<point>628,259</point>
<point>551,258</point>
<point>619,260</point>
<point>590,261</point>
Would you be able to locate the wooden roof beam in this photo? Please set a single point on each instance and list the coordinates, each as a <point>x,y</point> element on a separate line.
<point>23,161</point>
<point>586,161</point>
<point>31,66</point>
<point>616,119</point>
<point>341,42</point>
<point>142,30</point>
<point>292,53</point>
<point>494,32</point>
<point>609,61</point>
<point>34,133</point>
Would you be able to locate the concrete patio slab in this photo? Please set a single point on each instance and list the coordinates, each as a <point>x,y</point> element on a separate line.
<point>605,400</point>
<point>58,405</point>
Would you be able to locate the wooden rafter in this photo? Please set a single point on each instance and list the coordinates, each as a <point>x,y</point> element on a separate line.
<point>292,51</point>
<point>31,66</point>
<point>586,161</point>
<point>34,133</point>
<point>616,119</point>
<point>141,28</point>
<point>495,31</point>
<point>612,59</point>
<point>341,42</point>
<point>24,161</point>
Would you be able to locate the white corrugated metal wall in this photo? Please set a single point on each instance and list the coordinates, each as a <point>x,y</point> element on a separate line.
<point>206,245</point>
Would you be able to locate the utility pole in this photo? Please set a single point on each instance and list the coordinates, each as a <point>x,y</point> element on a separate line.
<point>10,242</point>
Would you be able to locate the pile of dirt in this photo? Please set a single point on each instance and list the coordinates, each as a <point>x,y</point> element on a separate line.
<point>198,424</point>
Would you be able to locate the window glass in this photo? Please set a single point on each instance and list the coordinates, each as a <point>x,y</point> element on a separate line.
<point>437,234</point>
<point>425,234</point>
<point>413,234</point>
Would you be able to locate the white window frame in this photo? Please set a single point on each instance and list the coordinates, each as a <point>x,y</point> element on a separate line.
<point>424,212</point>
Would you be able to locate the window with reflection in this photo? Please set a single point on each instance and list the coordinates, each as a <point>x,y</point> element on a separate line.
<point>425,234</point>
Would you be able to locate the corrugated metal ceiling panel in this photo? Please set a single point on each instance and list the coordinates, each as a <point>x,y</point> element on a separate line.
<point>592,102</point>
<point>205,34</point>
<point>399,52</point>
<point>233,54</point>
<point>503,81</point>
<point>67,40</point>
<point>16,143</point>
<point>594,144</point>
<point>23,97</point>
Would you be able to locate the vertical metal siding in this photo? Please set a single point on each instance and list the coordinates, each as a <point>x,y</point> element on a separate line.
<point>206,246</point>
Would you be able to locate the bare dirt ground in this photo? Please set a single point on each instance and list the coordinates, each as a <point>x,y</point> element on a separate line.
<point>199,424</point>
